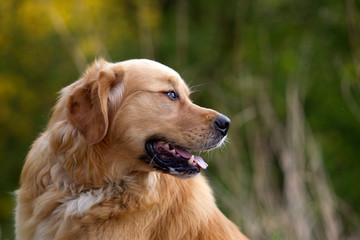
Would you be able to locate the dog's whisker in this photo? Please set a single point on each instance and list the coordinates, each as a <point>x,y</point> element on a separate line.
<point>194,88</point>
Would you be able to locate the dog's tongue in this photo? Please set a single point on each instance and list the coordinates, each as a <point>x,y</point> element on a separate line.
<point>197,159</point>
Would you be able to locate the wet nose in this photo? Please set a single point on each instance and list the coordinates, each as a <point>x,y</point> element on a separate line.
<point>222,124</point>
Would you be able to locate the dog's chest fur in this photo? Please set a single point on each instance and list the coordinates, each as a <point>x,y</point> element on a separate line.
<point>159,206</point>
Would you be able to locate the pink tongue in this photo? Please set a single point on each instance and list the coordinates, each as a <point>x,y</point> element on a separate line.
<point>200,162</point>
<point>197,159</point>
<point>183,153</point>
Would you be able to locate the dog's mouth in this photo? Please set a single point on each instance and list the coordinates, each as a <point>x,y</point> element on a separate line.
<point>172,159</point>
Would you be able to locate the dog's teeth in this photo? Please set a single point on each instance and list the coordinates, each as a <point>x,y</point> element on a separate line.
<point>191,160</point>
<point>167,146</point>
<point>173,151</point>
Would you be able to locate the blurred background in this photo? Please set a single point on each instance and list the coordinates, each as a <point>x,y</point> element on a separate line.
<point>287,73</point>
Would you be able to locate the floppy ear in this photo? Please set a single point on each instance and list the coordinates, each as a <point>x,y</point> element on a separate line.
<point>88,105</point>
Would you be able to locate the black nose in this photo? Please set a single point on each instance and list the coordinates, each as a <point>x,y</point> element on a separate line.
<point>222,124</point>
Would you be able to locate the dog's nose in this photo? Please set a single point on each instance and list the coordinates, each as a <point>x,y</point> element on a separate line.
<point>222,124</point>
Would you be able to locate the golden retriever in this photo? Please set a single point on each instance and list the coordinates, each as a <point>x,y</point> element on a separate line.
<point>114,161</point>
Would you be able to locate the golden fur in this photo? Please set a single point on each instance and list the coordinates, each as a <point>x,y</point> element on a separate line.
<point>84,179</point>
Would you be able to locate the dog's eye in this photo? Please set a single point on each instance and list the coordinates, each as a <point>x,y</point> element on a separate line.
<point>172,95</point>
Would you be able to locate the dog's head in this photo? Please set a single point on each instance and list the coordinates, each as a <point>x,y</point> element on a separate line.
<point>138,116</point>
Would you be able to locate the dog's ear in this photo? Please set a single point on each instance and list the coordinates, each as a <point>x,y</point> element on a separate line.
<point>88,106</point>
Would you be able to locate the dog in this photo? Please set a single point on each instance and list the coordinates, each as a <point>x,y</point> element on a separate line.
<point>114,161</point>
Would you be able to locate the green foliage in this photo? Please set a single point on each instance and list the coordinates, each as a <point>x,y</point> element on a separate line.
<point>245,58</point>
<point>276,235</point>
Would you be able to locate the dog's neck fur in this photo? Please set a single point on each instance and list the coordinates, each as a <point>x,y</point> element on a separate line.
<point>129,192</point>
<point>52,173</point>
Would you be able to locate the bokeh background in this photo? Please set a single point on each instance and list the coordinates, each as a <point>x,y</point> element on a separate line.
<point>287,73</point>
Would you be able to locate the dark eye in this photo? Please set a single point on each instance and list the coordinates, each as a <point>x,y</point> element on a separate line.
<point>172,95</point>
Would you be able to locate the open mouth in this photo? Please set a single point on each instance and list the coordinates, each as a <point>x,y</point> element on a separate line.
<point>173,159</point>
